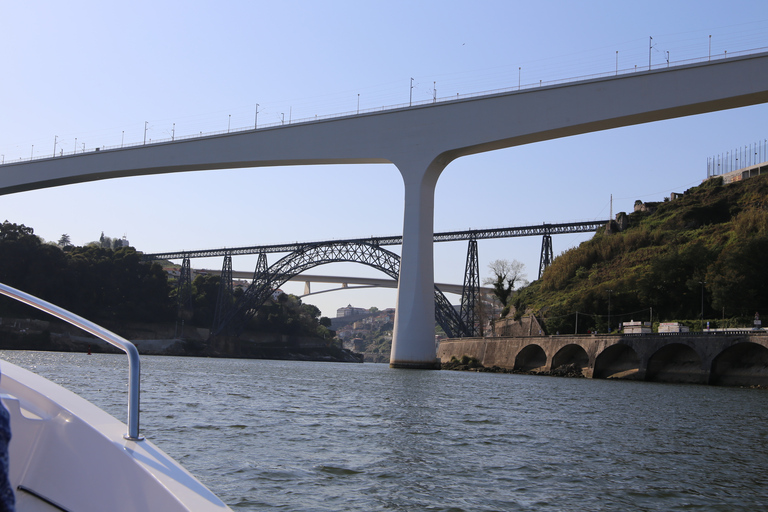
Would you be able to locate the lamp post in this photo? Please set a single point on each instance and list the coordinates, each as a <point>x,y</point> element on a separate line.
<point>256,118</point>
<point>702,283</point>
<point>650,47</point>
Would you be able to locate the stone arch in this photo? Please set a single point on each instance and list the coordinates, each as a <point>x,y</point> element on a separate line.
<point>742,364</point>
<point>571,354</point>
<point>323,253</point>
<point>530,358</point>
<point>617,362</point>
<point>676,362</point>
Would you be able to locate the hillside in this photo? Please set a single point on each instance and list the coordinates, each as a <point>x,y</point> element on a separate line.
<point>707,247</point>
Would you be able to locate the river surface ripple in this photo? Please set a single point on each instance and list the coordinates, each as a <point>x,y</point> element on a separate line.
<point>302,436</point>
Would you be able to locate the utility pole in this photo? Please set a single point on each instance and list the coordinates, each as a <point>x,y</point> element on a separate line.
<point>410,100</point>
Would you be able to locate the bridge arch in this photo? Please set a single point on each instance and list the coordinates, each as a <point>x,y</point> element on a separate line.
<point>310,256</point>
<point>618,360</point>
<point>571,354</point>
<point>676,362</point>
<point>742,364</point>
<point>532,357</point>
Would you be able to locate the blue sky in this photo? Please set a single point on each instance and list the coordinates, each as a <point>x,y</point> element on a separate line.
<point>95,72</point>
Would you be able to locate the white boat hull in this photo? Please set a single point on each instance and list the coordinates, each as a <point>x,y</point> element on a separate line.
<point>67,454</point>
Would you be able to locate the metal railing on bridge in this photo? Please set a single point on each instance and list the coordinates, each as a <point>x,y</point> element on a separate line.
<point>411,104</point>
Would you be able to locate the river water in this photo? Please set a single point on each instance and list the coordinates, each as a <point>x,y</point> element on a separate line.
<point>303,436</point>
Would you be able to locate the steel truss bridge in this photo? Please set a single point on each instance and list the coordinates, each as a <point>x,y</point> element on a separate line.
<point>232,315</point>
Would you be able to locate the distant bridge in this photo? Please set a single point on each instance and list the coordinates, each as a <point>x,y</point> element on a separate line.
<point>545,230</point>
<point>230,317</point>
<point>344,281</point>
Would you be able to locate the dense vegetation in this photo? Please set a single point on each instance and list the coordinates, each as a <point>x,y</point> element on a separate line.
<point>286,314</point>
<point>106,282</point>
<point>92,281</point>
<point>707,247</point>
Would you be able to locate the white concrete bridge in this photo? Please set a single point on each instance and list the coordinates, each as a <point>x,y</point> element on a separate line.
<point>421,141</point>
<point>344,282</point>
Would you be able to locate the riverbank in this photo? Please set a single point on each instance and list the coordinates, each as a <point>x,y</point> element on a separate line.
<point>162,340</point>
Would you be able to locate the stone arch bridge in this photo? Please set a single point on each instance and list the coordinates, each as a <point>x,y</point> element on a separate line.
<point>732,358</point>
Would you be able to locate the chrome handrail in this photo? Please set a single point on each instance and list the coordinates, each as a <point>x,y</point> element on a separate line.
<point>102,333</point>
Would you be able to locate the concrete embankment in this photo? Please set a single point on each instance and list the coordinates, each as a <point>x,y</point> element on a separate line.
<point>727,358</point>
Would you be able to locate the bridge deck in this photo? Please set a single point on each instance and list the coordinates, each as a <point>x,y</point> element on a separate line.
<point>447,236</point>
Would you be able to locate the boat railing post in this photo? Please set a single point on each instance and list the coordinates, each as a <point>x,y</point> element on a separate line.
<point>134,366</point>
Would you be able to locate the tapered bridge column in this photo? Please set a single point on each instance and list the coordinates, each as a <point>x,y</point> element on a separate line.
<point>413,338</point>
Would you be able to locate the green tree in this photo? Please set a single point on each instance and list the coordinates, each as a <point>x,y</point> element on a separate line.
<point>11,231</point>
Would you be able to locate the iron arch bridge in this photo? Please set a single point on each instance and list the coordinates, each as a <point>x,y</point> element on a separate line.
<point>231,316</point>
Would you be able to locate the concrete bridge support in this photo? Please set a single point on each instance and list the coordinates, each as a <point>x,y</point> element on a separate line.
<point>413,337</point>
